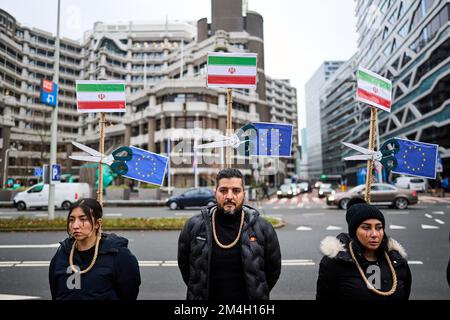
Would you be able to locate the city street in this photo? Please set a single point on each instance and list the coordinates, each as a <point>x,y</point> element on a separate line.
<point>136,105</point>
<point>422,229</point>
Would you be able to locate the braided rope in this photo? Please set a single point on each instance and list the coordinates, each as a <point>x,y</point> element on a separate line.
<point>373,122</point>
<point>72,266</point>
<point>369,285</point>
<point>100,165</point>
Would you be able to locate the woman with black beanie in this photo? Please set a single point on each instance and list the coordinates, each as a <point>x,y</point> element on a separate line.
<point>364,264</point>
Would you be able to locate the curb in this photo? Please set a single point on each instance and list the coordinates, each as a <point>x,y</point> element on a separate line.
<point>111,203</point>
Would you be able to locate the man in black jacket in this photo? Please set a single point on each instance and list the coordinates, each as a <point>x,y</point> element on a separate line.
<point>228,252</point>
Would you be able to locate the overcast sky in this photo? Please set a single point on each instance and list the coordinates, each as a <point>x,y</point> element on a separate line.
<point>298,34</point>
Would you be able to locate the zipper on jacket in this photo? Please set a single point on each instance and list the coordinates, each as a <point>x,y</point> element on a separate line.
<point>207,217</point>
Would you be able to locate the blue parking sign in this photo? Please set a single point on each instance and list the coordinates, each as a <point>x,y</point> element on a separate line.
<point>38,172</point>
<point>49,93</point>
<point>55,174</point>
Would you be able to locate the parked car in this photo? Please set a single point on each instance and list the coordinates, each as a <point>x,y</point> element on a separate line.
<point>325,189</point>
<point>65,195</point>
<point>195,197</point>
<point>380,194</point>
<point>413,183</point>
<point>285,191</point>
<point>304,187</point>
<point>295,189</point>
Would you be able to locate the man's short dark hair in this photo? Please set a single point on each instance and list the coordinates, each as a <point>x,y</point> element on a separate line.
<point>229,173</point>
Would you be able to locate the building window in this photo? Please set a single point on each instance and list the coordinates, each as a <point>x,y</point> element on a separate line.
<point>401,11</point>
<point>190,122</point>
<point>134,131</point>
<point>437,135</point>
<point>393,18</point>
<point>436,57</point>
<point>179,122</point>
<point>168,122</point>
<point>403,32</point>
<point>436,98</point>
<point>406,58</point>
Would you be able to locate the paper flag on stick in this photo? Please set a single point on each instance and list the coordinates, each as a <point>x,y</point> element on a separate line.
<point>258,139</point>
<point>130,162</point>
<point>402,156</point>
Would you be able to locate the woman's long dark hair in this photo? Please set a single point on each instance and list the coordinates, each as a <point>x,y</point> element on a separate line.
<point>91,208</point>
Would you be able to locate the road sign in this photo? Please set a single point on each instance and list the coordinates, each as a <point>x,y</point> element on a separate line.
<point>49,93</point>
<point>38,172</point>
<point>55,174</point>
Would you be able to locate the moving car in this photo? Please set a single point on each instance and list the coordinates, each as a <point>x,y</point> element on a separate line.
<point>295,189</point>
<point>325,189</point>
<point>65,195</point>
<point>304,187</point>
<point>380,194</point>
<point>285,191</point>
<point>195,197</point>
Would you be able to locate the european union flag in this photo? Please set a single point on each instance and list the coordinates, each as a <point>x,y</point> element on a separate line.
<point>272,140</point>
<point>146,166</point>
<point>416,158</point>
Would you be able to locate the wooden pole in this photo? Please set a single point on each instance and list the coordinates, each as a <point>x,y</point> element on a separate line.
<point>373,123</point>
<point>229,150</point>
<point>100,165</point>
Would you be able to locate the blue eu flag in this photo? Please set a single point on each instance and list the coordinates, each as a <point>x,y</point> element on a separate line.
<point>146,166</point>
<point>416,158</point>
<point>272,139</point>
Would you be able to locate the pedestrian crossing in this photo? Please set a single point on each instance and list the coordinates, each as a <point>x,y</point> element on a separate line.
<point>311,200</point>
<point>300,201</point>
<point>344,228</point>
<point>433,200</point>
<point>142,263</point>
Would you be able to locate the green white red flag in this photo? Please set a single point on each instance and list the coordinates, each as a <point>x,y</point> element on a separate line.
<point>100,96</point>
<point>374,89</point>
<point>232,70</point>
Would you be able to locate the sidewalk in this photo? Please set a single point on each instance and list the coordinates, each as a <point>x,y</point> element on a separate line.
<point>112,203</point>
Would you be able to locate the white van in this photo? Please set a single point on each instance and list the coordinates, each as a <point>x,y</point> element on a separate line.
<point>65,195</point>
<point>412,183</point>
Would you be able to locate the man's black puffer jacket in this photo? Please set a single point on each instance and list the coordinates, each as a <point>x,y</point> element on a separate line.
<point>261,256</point>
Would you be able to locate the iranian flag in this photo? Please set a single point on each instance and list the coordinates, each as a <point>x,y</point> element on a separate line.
<point>373,89</point>
<point>232,70</point>
<point>100,96</point>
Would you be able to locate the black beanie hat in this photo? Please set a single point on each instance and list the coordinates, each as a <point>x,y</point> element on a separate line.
<point>358,211</point>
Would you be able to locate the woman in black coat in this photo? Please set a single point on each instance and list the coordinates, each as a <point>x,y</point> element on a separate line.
<point>365,263</point>
<point>91,265</point>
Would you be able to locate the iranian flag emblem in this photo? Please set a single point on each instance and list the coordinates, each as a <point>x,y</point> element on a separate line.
<point>374,89</point>
<point>100,96</point>
<point>232,70</point>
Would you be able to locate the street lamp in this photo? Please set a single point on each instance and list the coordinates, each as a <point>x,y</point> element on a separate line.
<point>5,167</point>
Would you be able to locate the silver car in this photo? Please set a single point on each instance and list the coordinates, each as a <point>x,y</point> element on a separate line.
<point>380,194</point>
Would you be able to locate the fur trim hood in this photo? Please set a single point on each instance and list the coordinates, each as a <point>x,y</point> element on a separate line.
<point>336,247</point>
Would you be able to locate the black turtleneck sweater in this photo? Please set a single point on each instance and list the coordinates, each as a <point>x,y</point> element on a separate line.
<point>227,280</point>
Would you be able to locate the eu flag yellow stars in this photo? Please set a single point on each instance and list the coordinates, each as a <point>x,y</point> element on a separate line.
<point>416,158</point>
<point>273,139</point>
<point>147,166</point>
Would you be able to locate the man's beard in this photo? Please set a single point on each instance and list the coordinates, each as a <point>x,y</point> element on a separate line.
<point>231,212</point>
